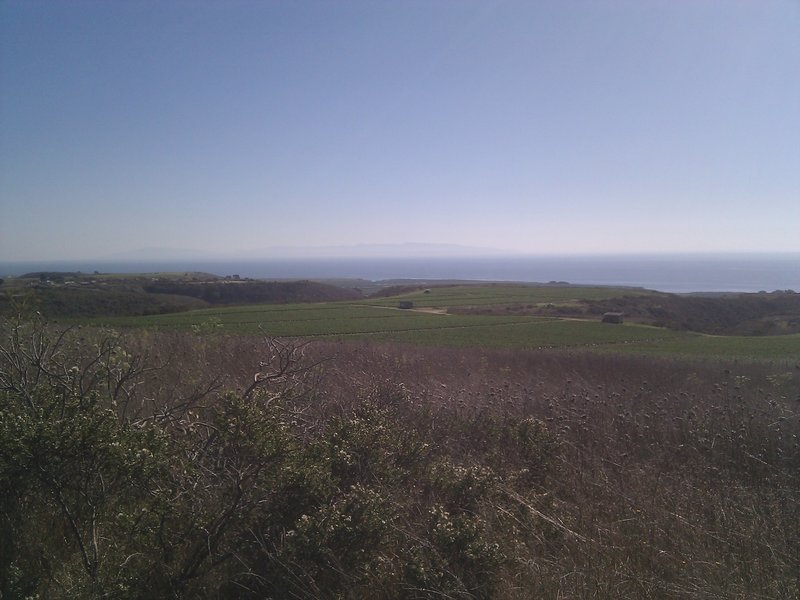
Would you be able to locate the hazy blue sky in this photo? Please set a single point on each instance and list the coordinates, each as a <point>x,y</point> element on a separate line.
<point>533,126</point>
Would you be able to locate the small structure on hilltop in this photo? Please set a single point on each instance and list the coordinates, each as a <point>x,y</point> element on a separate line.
<point>613,317</point>
<point>405,304</point>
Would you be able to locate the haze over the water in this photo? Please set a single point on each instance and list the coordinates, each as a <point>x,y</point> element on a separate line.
<point>548,127</point>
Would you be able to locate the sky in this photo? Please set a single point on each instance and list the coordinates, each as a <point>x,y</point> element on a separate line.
<point>537,127</point>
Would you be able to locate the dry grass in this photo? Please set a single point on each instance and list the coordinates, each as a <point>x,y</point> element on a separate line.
<point>674,479</point>
<point>596,476</point>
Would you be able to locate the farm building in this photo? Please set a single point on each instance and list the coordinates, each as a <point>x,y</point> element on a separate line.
<point>405,304</point>
<point>612,317</point>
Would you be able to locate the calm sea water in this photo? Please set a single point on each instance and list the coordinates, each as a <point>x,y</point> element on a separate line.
<point>678,273</point>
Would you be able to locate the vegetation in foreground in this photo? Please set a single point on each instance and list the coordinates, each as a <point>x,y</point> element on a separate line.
<point>170,465</point>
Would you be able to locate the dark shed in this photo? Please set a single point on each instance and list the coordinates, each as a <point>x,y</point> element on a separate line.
<point>612,317</point>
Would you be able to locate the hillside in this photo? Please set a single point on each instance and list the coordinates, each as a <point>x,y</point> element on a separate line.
<point>775,313</point>
<point>77,303</point>
<point>78,295</point>
<point>254,292</point>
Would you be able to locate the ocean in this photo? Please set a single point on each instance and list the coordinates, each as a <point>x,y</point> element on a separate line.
<point>668,273</point>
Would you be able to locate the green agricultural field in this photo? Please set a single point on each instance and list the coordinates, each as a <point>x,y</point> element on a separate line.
<point>480,295</point>
<point>773,347</point>
<point>542,334</point>
<point>428,324</point>
<point>329,319</point>
<point>599,337</point>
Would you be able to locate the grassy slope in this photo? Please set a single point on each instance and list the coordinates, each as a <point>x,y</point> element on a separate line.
<point>379,319</point>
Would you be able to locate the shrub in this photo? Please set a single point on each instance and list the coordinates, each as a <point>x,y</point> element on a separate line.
<point>159,466</point>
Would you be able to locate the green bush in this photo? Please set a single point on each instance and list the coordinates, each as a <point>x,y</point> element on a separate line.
<point>117,493</point>
<point>159,466</point>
